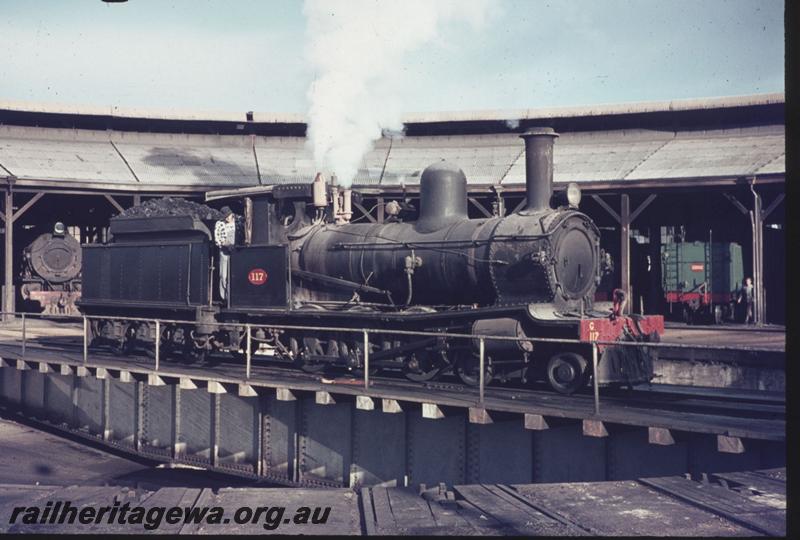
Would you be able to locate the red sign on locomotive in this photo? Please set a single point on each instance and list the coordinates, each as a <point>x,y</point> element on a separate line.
<point>257,276</point>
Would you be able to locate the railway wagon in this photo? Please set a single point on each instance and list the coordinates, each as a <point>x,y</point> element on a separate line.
<point>701,280</point>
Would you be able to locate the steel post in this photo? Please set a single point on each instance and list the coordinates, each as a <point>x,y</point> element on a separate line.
<point>8,283</point>
<point>481,361</point>
<point>366,359</point>
<point>249,352</point>
<point>757,220</point>
<point>106,408</point>
<point>158,343</point>
<point>85,339</point>
<point>177,448</point>
<point>24,336</point>
<point>594,379</point>
<point>139,411</point>
<point>625,249</point>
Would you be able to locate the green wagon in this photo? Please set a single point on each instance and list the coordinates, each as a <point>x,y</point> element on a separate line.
<point>701,280</point>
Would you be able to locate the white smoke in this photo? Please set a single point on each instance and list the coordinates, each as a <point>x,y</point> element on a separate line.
<point>356,49</point>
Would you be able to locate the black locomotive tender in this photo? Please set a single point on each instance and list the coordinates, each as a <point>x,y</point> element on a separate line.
<point>532,273</point>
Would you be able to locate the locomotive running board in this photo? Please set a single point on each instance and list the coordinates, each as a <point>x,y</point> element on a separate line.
<point>547,315</point>
<point>519,310</point>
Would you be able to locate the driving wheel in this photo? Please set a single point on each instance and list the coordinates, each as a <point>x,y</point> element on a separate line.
<point>468,369</point>
<point>567,372</point>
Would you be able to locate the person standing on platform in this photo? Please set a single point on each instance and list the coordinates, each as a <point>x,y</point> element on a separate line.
<point>747,295</point>
<point>225,238</point>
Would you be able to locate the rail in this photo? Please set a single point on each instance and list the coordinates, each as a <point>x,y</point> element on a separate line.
<point>158,323</point>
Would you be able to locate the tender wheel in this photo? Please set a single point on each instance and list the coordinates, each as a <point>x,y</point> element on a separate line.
<point>567,372</point>
<point>124,347</point>
<point>310,346</point>
<point>468,369</point>
<point>423,366</point>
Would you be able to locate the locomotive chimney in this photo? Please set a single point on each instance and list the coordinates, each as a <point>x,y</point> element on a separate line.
<point>538,168</point>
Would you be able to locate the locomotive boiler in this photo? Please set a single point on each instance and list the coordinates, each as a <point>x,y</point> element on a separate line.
<point>537,255</point>
<point>529,274</point>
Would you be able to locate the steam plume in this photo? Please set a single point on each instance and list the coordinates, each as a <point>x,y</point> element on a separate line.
<point>357,49</point>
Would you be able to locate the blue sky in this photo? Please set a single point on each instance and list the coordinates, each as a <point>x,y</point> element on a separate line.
<point>248,55</point>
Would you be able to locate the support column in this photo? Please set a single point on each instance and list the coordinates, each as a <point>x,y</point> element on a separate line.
<point>757,224</point>
<point>764,215</point>
<point>8,283</point>
<point>625,249</point>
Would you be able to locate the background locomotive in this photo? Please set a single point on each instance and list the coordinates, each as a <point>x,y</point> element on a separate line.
<point>51,272</point>
<point>532,273</point>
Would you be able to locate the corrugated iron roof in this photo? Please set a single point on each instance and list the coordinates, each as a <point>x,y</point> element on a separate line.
<point>483,158</point>
<point>727,153</point>
<point>190,165</point>
<point>64,160</point>
<point>146,161</point>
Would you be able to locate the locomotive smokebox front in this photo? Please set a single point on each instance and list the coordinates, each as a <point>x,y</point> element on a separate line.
<point>542,254</point>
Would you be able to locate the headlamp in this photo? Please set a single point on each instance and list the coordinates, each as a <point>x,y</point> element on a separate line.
<point>573,194</point>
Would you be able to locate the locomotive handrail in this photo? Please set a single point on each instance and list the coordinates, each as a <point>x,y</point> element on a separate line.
<point>401,244</point>
<point>662,345</point>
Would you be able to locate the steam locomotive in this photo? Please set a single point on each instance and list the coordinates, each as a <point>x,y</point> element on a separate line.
<point>301,263</point>
<point>51,273</point>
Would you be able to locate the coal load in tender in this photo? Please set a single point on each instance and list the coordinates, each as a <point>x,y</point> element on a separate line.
<point>172,206</point>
